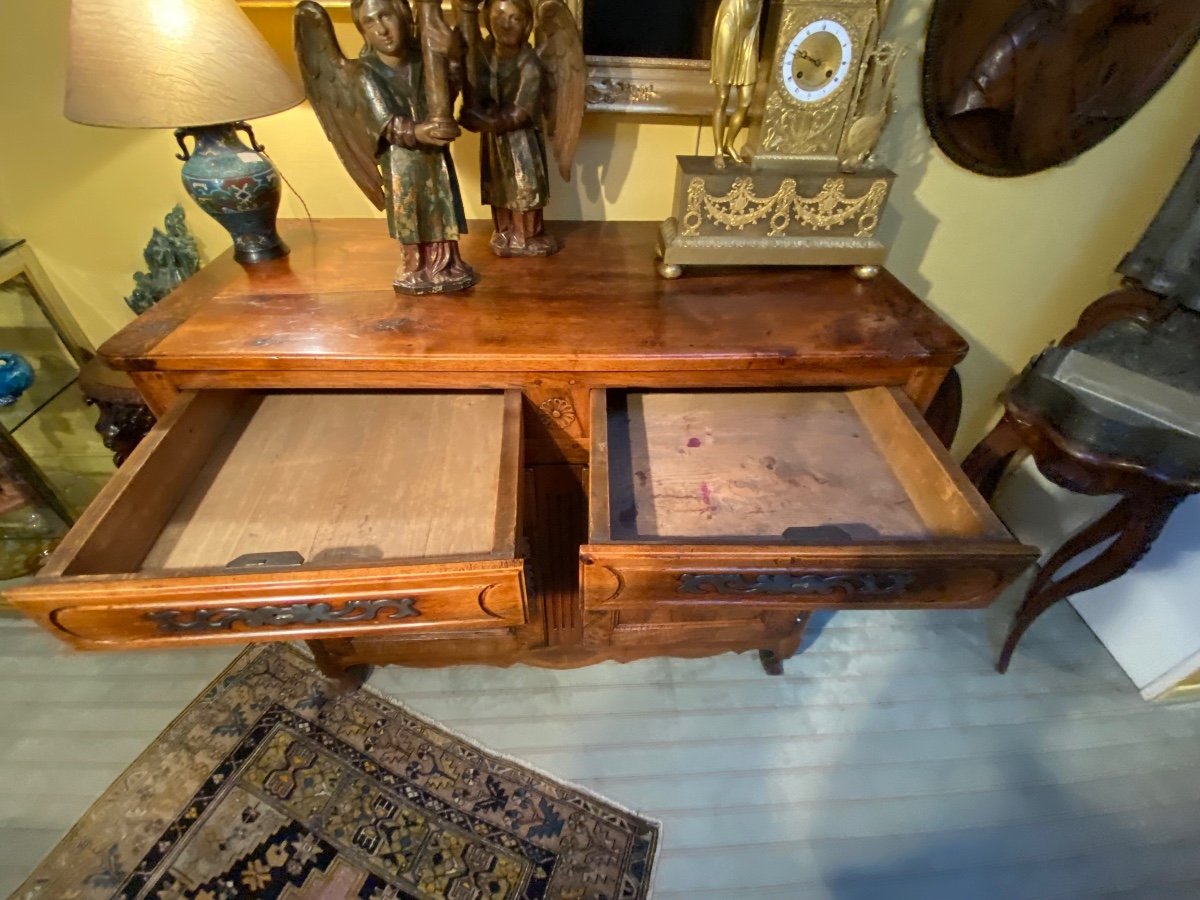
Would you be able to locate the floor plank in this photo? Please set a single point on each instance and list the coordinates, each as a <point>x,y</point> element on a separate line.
<point>889,761</point>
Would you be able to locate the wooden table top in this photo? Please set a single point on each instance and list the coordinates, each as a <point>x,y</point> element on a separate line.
<point>598,305</point>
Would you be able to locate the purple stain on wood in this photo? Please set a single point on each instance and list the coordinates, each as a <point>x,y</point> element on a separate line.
<point>694,442</point>
<point>705,493</point>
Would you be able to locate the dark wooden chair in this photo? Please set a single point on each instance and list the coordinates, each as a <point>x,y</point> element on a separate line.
<point>1077,444</point>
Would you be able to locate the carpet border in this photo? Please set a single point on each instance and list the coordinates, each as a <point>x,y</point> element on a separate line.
<point>299,649</point>
<point>303,651</point>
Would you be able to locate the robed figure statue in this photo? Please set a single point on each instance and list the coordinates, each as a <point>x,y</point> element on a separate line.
<point>387,116</point>
<point>734,69</point>
<point>517,95</point>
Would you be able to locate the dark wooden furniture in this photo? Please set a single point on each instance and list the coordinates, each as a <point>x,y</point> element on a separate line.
<point>1147,499</point>
<point>124,417</point>
<point>1012,87</point>
<point>575,461</point>
<point>1149,484</point>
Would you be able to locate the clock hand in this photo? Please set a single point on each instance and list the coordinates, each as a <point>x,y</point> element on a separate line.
<point>803,54</point>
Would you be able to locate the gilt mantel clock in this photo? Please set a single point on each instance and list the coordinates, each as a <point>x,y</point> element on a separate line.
<point>801,191</point>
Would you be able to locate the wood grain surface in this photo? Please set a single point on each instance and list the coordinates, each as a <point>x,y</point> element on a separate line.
<point>343,472</point>
<point>345,477</point>
<point>711,464</point>
<point>330,305</point>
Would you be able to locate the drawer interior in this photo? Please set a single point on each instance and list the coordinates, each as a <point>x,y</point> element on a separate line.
<point>337,477</point>
<point>805,467</point>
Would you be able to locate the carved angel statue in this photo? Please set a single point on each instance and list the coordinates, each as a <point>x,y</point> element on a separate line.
<point>515,97</point>
<point>734,66</point>
<point>376,111</point>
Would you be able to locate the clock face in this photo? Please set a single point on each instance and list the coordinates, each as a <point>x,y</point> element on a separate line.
<point>817,60</point>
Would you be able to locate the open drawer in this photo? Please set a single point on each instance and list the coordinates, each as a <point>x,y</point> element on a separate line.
<point>248,516</point>
<point>783,500</point>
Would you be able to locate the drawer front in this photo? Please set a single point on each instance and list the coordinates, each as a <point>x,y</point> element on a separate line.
<point>629,577</point>
<point>379,534</point>
<point>288,606</point>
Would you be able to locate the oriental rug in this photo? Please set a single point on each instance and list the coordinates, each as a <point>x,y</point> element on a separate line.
<point>270,786</point>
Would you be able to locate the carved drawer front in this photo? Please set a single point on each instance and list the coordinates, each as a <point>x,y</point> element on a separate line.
<point>251,516</point>
<point>783,500</point>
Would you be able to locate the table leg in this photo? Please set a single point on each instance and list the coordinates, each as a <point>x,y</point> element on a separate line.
<point>772,659</point>
<point>345,678</point>
<point>1136,523</point>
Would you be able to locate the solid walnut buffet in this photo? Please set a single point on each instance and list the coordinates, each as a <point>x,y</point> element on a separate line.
<point>574,461</point>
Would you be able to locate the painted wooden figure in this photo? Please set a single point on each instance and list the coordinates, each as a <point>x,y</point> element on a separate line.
<point>515,97</point>
<point>386,115</point>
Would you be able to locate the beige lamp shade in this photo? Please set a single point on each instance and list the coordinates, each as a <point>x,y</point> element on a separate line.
<point>171,63</point>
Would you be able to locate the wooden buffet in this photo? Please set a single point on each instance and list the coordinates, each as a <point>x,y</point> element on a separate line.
<point>574,461</point>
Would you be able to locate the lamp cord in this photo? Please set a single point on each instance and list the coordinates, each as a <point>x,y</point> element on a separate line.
<point>292,188</point>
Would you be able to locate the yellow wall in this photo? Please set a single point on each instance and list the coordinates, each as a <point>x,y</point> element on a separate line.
<point>1009,262</point>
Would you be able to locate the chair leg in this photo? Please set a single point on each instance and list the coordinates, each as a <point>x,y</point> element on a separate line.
<point>985,464</point>
<point>1136,522</point>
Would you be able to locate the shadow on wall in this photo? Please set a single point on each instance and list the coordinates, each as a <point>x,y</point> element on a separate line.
<point>624,168</point>
<point>906,148</point>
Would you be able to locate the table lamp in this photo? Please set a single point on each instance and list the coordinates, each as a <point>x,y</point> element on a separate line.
<point>200,67</point>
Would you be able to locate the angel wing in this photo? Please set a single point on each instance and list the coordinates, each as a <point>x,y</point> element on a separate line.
<point>339,89</point>
<point>560,48</point>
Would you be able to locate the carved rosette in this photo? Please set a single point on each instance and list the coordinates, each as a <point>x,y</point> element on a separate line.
<point>558,411</point>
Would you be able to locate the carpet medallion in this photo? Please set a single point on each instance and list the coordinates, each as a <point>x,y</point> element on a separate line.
<point>267,786</point>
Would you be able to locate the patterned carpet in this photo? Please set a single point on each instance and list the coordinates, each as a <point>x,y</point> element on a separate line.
<point>267,787</point>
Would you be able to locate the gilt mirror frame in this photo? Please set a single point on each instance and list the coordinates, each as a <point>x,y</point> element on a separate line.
<point>641,85</point>
<point>645,85</point>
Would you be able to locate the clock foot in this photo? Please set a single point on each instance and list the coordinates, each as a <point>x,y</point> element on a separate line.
<point>669,271</point>
<point>865,273</point>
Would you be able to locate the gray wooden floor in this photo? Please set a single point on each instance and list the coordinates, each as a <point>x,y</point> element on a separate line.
<point>890,761</point>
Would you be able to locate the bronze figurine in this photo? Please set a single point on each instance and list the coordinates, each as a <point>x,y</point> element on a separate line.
<point>734,66</point>
<point>515,97</point>
<point>388,115</point>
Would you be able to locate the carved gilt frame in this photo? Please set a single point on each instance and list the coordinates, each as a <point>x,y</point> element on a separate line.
<point>645,85</point>
<point>622,84</point>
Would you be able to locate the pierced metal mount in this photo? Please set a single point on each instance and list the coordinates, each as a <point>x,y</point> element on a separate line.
<point>852,583</point>
<point>175,621</point>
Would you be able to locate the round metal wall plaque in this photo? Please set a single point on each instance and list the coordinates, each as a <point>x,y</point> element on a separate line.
<point>1013,87</point>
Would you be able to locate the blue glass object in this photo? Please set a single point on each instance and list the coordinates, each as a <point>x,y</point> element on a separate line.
<point>16,377</point>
